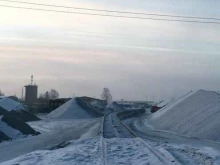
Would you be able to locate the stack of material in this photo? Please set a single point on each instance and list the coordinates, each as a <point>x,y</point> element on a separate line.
<point>196,114</point>
<point>69,110</point>
<point>17,109</point>
<point>13,116</point>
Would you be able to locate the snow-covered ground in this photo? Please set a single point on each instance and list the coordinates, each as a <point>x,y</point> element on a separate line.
<point>129,151</point>
<point>53,132</point>
<point>185,150</point>
<point>189,154</point>
<point>78,152</point>
<point>146,131</point>
<point>118,151</point>
<point>89,151</point>
<point>86,150</point>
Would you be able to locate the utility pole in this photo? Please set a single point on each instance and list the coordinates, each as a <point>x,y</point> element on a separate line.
<point>22,94</point>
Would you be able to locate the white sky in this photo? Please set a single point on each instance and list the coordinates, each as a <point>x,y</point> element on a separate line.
<point>81,54</point>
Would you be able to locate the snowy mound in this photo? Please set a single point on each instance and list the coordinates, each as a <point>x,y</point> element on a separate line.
<point>9,104</point>
<point>69,110</point>
<point>195,115</point>
<point>171,104</point>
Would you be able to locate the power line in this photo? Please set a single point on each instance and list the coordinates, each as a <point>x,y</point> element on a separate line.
<point>115,11</point>
<point>108,15</point>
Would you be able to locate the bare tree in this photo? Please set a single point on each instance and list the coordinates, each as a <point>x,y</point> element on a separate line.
<point>106,95</point>
<point>52,94</point>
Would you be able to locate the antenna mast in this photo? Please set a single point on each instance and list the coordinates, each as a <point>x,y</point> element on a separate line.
<point>32,79</point>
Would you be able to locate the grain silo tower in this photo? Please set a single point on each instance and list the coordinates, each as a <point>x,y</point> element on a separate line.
<point>31,92</point>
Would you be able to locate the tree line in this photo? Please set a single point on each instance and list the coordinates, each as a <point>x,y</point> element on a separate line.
<point>49,95</point>
<point>54,94</point>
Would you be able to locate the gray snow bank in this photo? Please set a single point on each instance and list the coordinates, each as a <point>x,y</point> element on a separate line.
<point>9,104</point>
<point>194,115</point>
<point>69,110</point>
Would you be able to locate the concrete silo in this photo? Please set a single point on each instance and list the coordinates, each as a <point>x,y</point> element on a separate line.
<point>31,92</point>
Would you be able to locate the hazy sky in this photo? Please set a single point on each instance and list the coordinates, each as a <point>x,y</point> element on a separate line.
<point>81,54</point>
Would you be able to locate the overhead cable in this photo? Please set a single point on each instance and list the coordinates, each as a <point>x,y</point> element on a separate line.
<point>110,15</point>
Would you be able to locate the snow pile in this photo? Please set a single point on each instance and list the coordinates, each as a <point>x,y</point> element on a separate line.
<point>9,104</point>
<point>196,114</point>
<point>9,131</point>
<point>69,110</point>
<point>172,104</point>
